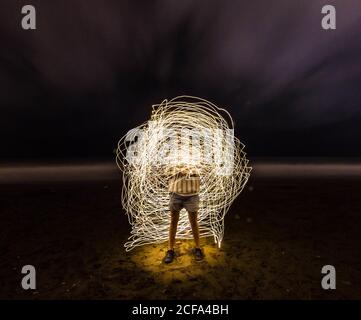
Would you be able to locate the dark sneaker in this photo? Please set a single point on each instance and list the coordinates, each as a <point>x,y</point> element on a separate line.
<point>169,257</point>
<point>198,254</point>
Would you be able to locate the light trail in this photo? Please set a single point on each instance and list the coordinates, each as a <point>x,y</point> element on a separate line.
<point>183,132</point>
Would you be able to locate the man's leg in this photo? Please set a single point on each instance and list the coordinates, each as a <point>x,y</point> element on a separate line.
<point>174,217</point>
<point>194,225</point>
<point>173,228</point>
<point>193,219</point>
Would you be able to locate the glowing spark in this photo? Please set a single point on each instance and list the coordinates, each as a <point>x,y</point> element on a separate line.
<point>188,132</point>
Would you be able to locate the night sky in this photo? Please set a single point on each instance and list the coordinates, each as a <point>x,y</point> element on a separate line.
<point>92,70</point>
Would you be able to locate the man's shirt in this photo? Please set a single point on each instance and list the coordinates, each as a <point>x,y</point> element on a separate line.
<point>184,183</point>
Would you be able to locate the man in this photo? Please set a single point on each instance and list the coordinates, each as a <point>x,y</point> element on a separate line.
<point>184,193</point>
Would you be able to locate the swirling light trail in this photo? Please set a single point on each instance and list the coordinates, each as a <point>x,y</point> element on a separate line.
<point>183,132</point>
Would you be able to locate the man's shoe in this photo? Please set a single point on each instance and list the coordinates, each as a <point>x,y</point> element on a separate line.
<point>198,254</point>
<point>169,257</point>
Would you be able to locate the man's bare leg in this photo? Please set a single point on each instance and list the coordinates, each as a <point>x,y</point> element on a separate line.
<point>193,219</point>
<point>174,217</point>
<point>192,216</point>
<point>173,228</point>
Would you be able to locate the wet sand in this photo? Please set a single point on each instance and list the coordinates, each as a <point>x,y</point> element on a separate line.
<point>279,233</point>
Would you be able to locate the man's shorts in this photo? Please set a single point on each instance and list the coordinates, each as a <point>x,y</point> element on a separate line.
<point>177,202</point>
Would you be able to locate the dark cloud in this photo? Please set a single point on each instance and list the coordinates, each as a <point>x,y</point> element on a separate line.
<point>93,68</point>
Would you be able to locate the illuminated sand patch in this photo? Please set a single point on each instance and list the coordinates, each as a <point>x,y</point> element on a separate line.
<point>184,267</point>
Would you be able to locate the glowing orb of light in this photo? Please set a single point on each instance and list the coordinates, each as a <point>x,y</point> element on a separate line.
<point>189,132</point>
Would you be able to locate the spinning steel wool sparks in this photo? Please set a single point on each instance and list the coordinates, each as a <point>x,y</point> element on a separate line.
<point>185,133</point>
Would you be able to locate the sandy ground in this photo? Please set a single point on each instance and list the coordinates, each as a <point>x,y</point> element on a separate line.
<point>279,234</point>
